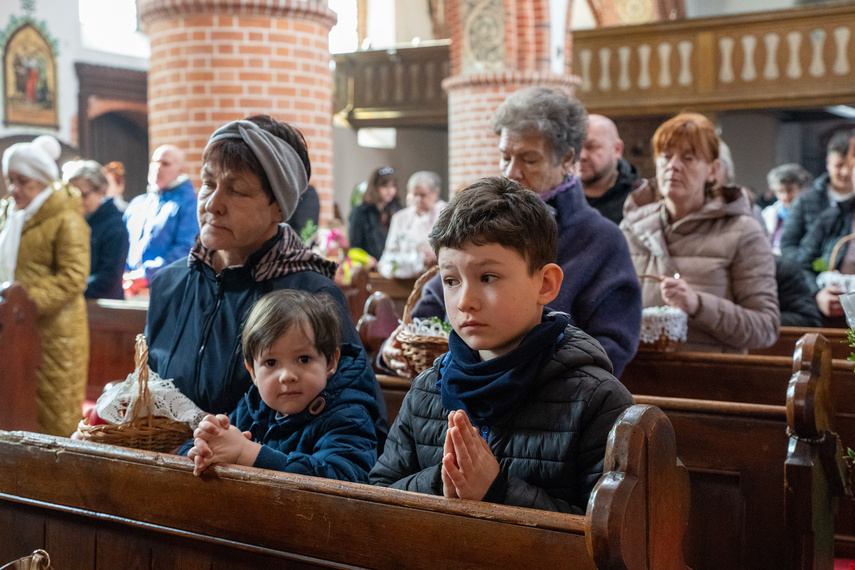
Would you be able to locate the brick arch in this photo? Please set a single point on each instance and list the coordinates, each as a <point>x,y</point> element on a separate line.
<point>135,111</point>
<point>627,12</point>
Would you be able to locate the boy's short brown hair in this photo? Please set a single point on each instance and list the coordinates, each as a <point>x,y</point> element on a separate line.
<point>274,314</point>
<point>498,210</point>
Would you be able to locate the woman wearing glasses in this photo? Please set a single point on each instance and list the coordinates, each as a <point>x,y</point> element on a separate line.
<point>369,221</point>
<point>109,239</point>
<point>44,245</point>
<point>697,247</point>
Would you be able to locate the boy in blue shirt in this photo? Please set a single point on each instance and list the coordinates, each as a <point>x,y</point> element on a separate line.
<point>519,410</point>
<point>310,408</point>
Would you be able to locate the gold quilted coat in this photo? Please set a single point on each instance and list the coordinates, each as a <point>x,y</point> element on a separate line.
<point>53,264</point>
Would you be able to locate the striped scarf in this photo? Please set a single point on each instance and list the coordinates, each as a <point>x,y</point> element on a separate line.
<point>281,255</point>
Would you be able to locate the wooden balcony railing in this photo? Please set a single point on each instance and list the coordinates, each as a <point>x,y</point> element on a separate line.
<point>790,58</point>
<point>800,57</point>
<point>392,87</point>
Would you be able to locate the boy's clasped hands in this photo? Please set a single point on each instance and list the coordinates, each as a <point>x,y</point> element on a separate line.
<point>217,441</point>
<point>468,464</point>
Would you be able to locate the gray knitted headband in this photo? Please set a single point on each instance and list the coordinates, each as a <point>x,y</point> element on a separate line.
<point>280,161</point>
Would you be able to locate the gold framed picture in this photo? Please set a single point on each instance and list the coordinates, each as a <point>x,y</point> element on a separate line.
<point>29,79</point>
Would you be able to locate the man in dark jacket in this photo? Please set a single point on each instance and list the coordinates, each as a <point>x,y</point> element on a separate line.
<point>835,185</point>
<point>796,295</point>
<point>606,177</point>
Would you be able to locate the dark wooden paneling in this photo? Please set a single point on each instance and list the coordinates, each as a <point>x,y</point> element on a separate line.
<point>113,327</point>
<point>114,136</point>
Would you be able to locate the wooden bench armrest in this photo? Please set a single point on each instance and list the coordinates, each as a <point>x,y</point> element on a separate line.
<point>636,519</point>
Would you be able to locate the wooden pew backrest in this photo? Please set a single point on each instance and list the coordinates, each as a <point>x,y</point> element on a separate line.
<point>741,516</point>
<point>789,336</point>
<point>20,355</point>
<point>127,502</point>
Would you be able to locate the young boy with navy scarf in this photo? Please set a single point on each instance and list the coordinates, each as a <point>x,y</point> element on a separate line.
<point>519,410</point>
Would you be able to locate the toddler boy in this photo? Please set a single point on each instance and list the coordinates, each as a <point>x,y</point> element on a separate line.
<point>310,408</point>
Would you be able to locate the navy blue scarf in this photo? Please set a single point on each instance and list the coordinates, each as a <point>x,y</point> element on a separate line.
<point>489,389</point>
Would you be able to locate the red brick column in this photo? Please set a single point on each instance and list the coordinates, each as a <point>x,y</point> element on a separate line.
<point>214,61</point>
<point>473,95</point>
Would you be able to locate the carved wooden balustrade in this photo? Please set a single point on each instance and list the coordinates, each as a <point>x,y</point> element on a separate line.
<point>800,57</point>
<point>392,87</point>
<point>788,58</point>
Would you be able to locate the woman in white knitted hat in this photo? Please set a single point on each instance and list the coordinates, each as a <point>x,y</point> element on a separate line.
<point>44,244</point>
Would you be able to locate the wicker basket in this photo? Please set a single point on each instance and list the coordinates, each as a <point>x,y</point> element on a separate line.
<point>420,351</point>
<point>833,277</point>
<point>661,344</point>
<point>662,329</point>
<point>151,433</point>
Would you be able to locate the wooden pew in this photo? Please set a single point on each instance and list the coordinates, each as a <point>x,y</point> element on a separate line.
<point>99,506</point>
<point>398,290</point>
<point>788,337</point>
<point>760,499</point>
<point>113,328</point>
<point>751,380</point>
<point>20,355</point>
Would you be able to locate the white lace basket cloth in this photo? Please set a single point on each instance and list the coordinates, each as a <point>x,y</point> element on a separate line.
<point>143,412</point>
<point>118,404</point>
<point>835,278</point>
<point>663,322</point>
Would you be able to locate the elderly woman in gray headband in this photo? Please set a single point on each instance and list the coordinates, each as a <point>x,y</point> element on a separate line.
<point>253,174</point>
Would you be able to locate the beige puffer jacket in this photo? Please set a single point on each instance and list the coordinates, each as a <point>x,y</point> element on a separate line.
<point>721,251</point>
<point>53,264</point>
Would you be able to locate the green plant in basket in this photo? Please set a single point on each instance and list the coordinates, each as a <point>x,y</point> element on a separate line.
<point>446,326</point>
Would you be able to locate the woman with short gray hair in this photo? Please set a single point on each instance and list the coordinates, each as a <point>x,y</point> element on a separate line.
<point>407,253</point>
<point>108,239</point>
<point>541,132</point>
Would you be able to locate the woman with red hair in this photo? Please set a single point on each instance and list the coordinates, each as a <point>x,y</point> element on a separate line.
<point>710,255</point>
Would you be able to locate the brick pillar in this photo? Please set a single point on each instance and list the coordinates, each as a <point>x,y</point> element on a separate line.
<point>214,61</point>
<point>486,67</point>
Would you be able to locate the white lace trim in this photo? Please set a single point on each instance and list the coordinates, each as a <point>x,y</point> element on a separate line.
<point>668,321</point>
<point>829,278</point>
<point>117,404</point>
<point>426,327</point>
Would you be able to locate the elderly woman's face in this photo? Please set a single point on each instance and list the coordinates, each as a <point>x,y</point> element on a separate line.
<point>235,215</point>
<point>528,159</point>
<point>681,175</point>
<point>23,188</point>
<point>424,198</point>
<point>89,194</point>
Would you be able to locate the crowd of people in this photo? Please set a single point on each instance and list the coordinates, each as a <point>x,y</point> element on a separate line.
<point>544,270</point>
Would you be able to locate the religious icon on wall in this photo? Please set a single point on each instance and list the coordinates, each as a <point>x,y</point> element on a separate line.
<point>29,79</point>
